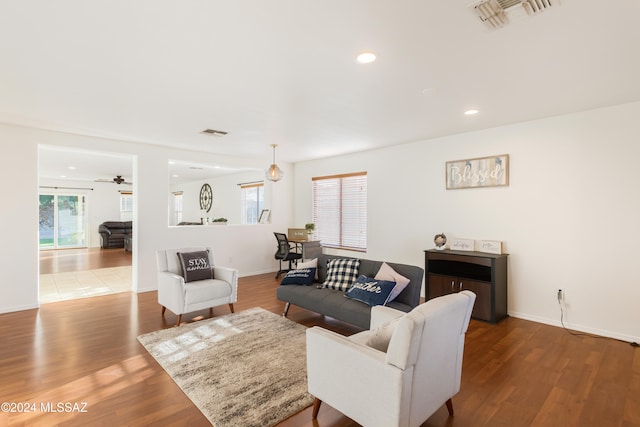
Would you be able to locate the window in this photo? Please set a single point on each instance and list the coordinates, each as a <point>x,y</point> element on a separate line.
<point>62,221</point>
<point>177,207</point>
<point>252,202</point>
<point>340,210</point>
<point>126,206</point>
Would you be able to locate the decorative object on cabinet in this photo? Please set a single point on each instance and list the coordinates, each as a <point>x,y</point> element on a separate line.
<point>462,244</point>
<point>440,240</point>
<point>490,171</point>
<point>484,274</point>
<point>489,246</point>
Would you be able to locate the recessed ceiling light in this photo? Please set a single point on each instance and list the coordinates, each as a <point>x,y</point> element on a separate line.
<point>471,112</point>
<point>366,57</point>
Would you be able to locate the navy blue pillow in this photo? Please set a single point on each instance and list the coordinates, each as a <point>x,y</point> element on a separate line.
<point>371,291</point>
<point>304,276</point>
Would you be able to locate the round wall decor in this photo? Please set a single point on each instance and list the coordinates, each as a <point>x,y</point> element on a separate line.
<point>206,197</point>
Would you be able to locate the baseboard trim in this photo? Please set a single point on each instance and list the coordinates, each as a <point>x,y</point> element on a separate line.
<point>576,327</point>
<point>4,310</point>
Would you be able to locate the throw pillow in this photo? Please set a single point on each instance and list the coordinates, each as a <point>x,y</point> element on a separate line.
<point>341,273</point>
<point>300,276</point>
<point>195,265</point>
<point>371,291</point>
<point>388,273</point>
<point>381,336</point>
<point>309,264</point>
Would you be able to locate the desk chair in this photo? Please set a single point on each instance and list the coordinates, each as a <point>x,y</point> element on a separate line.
<point>286,252</point>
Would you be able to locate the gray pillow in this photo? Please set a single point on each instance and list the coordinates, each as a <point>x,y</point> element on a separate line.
<point>195,265</point>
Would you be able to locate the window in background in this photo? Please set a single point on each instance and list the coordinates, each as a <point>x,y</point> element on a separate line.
<point>252,201</point>
<point>177,207</point>
<point>340,210</point>
<point>126,206</point>
<point>62,221</point>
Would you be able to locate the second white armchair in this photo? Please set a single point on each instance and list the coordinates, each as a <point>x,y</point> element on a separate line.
<point>398,373</point>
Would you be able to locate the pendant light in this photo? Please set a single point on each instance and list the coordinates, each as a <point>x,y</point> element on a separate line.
<point>274,173</point>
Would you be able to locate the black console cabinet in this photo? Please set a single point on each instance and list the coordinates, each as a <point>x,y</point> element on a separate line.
<point>484,274</point>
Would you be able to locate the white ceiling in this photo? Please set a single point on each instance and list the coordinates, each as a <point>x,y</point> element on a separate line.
<point>283,71</point>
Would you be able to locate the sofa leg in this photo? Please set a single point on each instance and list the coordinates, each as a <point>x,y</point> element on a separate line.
<point>163,310</point>
<point>286,309</point>
<point>179,319</point>
<point>210,311</point>
<point>231,307</point>
<point>450,407</point>
<point>316,407</point>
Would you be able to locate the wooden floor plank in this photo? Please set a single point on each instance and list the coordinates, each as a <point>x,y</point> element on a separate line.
<point>516,373</point>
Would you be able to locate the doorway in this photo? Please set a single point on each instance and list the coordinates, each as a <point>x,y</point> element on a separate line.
<point>77,194</point>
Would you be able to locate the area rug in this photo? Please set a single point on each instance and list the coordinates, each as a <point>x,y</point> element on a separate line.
<point>243,369</point>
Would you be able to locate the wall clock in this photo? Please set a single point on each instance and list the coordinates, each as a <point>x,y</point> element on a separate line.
<point>206,197</point>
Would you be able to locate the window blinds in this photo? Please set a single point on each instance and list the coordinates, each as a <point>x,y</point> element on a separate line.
<point>340,210</point>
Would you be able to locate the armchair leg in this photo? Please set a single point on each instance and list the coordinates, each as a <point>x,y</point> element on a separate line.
<point>231,307</point>
<point>450,407</point>
<point>179,319</point>
<point>286,309</point>
<point>316,407</point>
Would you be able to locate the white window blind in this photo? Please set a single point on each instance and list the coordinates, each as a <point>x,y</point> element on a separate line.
<point>252,202</point>
<point>340,210</point>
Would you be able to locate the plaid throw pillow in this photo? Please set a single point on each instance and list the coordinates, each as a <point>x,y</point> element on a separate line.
<point>341,273</point>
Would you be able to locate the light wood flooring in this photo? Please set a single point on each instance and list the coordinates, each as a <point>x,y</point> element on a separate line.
<point>67,274</point>
<point>516,373</point>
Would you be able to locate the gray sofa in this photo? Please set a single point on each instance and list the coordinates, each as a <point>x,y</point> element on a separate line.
<point>334,304</point>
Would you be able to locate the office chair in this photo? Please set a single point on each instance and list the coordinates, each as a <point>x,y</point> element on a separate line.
<point>286,253</point>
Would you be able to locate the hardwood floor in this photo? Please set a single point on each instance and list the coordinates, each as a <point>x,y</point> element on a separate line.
<point>516,373</point>
<point>66,260</point>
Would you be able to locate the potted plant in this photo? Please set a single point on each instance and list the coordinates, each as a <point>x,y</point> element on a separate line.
<point>310,227</point>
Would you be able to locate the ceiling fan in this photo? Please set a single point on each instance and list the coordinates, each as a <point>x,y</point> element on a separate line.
<point>117,180</point>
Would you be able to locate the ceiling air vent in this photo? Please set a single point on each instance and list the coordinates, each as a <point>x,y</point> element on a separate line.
<point>214,132</point>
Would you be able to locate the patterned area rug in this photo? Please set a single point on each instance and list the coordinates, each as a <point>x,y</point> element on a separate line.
<point>243,369</point>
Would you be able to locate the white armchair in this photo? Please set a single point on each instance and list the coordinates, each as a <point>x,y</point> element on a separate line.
<point>181,297</point>
<point>399,372</point>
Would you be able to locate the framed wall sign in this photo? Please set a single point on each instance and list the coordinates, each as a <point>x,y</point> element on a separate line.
<point>489,246</point>
<point>462,244</point>
<point>476,173</point>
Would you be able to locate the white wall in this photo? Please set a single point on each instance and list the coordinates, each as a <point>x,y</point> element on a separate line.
<point>249,248</point>
<point>568,217</point>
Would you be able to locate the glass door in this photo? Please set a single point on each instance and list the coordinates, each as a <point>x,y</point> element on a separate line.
<point>63,221</point>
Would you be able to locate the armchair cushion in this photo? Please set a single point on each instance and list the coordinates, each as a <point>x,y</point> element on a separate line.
<point>341,273</point>
<point>195,265</point>
<point>299,276</point>
<point>371,291</point>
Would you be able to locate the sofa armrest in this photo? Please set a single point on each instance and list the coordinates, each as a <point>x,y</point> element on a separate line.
<point>104,230</point>
<point>381,314</point>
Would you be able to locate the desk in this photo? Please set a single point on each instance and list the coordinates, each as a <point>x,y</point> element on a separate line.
<point>310,249</point>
